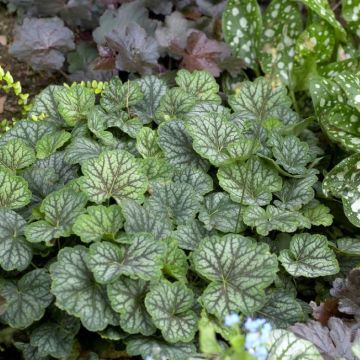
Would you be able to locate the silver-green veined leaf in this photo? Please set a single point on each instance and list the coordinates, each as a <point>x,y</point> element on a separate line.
<point>60,209</point>
<point>200,181</point>
<point>281,309</point>
<point>282,25</point>
<point>153,89</point>
<point>284,345</point>
<point>258,100</point>
<point>74,103</point>
<point>150,346</point>
<point>100,222</point>
<point>127,298</point>
<point>15,252</point>
<point>76,291</point>
<point>28,131</point>
<point>178,201</point>
<point>147,143</point>
<point>55,338</point>
<point>347,245</point>
<point>316,42</point>
<point>142,259</point>
<point>220,213</point>
<point>45,103</point>
<point>62,168</point>
<point>26,299</point>
<point>29,352</point>
<point>112,333</point>
<point>117,96</point>
<point>157,170</point>
<point>42,181</point>
<point>350,83</point>
<point>200,84</point>
<point>14,190</point>
<point>190,234</point>
<point>141,219</point>
<point>177,145</point>
<point>350,11</point>
<point>343,181</point>
<point>16,154</point>
<point>238,269</point>
<point>242,25</point>
<point>323,9</point>
<point>97,123</point>
<point>310,256</point>
<point>51,142</point>
<point>126,123</point>
<point>212,136</point>
<point>251,182</point>
<point>81,149</point>
<point>169,305</point>
<point>175,104</point>
<point>295,193</point>
<point>175,261</point>
<point>273,218</point>
<point>291,153</point>
<point>318,214</point>
<point>113,174</point>
<point>204,108</point>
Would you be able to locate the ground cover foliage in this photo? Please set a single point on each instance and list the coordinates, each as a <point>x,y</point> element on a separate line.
<point>142,217</point>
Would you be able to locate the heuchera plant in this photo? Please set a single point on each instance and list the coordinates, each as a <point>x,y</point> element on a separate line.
<point>135,213</point>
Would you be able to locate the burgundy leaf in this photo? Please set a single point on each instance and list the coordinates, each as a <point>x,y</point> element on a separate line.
<point>347,291</point>
<point>333,341</point>
<point>202,53</point>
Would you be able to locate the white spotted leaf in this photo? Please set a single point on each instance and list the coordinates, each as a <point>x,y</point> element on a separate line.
<point>242,25</point>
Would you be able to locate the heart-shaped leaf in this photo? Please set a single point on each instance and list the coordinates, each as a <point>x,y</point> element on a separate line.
<point>177,201</point>
<point>99,222</point>
<point>26,299</point>
<point>238,269</point>
<point>177,145</point>
<point>14,191</point>
<point>60,209</point>
<point>273,218</point>
<point>113,173</point>
<point>16,154</point>
<point>169,305</point>
<point>157,347</point>
<point>251,182</point>
<point>15,252</point>
<point>142,219</point>
<point>200,84</point>
<point>76,291</point>
<point>309,256</point>
<point>127,298</point>
<point>142,259</point>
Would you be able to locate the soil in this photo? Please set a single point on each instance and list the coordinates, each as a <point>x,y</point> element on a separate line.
<point>32,82</point>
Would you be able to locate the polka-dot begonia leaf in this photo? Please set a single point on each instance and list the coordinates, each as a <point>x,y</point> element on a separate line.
<point>242,24</point>
<point>282,25</point>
